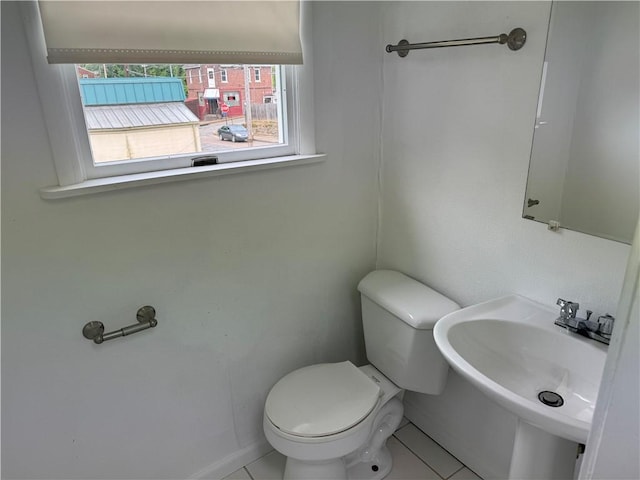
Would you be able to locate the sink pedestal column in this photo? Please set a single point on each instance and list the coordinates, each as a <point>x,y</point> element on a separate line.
<point>538,454</point>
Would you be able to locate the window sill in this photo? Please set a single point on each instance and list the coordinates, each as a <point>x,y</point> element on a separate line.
<point>108,184</point>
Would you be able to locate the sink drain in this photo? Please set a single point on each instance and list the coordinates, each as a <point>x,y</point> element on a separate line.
<point>551,399</point>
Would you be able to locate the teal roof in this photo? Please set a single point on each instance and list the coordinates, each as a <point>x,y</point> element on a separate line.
<point>121,91</point>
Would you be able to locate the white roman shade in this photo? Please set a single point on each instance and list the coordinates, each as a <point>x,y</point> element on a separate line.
<point>214,31</point>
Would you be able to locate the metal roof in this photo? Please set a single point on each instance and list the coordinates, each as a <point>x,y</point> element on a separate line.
<point>118,91</point>
<point>109,117</point>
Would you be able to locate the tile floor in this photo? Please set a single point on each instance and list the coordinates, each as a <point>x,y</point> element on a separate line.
<point>415,456</point>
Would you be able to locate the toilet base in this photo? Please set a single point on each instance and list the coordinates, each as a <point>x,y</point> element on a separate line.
<point>373,460</point>
<point>376,469</point>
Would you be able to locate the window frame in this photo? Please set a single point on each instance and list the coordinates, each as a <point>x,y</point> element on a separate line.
<point>75,116</point>
<point>59,94</point>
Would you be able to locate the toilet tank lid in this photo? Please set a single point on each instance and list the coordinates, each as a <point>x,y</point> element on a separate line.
<point>411,301</point>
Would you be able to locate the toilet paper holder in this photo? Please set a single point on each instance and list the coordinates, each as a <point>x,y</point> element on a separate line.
<point>146,317</point>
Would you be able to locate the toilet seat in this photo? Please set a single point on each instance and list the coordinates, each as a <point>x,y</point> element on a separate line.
<point>321,400</point>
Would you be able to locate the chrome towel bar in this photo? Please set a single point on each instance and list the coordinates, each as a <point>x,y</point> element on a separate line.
<point>515,40</point>
<point>146,317</point>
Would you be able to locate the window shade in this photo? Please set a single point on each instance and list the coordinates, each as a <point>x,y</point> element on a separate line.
<point>214,31</point>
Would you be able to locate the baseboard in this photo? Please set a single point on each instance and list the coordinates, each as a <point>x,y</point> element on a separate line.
<point>229,464</point>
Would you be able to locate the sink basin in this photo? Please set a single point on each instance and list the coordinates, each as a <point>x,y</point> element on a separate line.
<point>510,349</point>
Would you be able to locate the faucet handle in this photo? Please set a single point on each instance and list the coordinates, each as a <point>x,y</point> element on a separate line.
<point>605,324</point>
<point>568,309</point>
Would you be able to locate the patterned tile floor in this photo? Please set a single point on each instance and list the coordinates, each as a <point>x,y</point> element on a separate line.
<point>415,456</point>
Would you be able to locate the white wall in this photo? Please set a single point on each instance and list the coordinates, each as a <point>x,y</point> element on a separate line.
<point>252,275</point>
<point>457,136</point>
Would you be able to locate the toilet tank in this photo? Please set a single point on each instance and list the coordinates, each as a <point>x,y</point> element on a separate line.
<point>398,316</point>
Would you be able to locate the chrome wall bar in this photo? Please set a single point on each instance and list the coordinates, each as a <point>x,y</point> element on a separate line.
<point>515,40</point>
<point>146,317</point>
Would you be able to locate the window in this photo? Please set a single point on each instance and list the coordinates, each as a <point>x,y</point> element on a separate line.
<point>231,98</point>
<point>88,145</point>
<point>140,114</point>
<point>256,73</point>
<point>212,78</point>
<point>92,152</point>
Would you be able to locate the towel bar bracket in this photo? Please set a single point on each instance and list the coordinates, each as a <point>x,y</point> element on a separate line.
<point>146,317</point>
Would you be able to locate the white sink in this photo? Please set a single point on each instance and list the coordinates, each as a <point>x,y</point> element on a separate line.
<point>510,349</point>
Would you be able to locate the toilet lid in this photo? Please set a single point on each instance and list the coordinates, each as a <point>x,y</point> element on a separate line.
<point>321,399</point>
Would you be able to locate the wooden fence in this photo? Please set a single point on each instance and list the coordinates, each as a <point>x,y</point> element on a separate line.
<point>264,111</point>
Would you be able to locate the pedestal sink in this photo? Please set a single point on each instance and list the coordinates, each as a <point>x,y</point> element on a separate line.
<point>510,349</point>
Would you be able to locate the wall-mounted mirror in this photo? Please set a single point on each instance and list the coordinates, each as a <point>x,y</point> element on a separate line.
<point>585,161</point>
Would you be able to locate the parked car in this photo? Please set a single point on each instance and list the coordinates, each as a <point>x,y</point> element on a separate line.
<point>235,133</point>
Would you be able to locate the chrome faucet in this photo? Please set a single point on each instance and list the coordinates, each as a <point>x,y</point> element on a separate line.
<point>599,331</point>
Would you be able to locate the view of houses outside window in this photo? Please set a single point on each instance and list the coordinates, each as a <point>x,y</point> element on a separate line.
<point>150,111</point>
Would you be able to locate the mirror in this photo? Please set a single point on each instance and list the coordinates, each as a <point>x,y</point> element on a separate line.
<point>584,173</point>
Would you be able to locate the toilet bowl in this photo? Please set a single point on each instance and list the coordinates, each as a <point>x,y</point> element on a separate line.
<point>332,420</point>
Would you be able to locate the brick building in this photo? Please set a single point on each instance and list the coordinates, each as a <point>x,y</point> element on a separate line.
<point>215,85</point>
<point>85,73</point>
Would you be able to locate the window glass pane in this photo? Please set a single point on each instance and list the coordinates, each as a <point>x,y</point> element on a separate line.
<point>144,112</point>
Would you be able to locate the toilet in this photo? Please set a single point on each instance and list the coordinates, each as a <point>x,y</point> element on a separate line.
<point>332,420</point>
